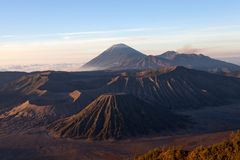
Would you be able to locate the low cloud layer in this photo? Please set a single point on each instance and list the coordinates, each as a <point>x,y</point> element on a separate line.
<point>42,67</point>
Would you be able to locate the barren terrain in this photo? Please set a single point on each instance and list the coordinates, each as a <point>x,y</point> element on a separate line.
<point>41,146</point>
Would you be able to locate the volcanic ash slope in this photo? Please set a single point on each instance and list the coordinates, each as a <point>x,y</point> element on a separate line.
<point>117,116</point>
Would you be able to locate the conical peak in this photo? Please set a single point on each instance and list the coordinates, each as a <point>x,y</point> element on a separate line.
<point>120,45</point>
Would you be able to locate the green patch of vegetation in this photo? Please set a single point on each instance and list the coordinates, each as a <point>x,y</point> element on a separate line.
<point>229,150</point>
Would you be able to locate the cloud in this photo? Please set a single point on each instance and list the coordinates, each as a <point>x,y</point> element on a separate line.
<point>105,31</point>
<point>80,47</point>
<point>87,34</point>
<point>42,67</point>
<point>190,49</point>
<point>6,36</point>
<point>69,35</point>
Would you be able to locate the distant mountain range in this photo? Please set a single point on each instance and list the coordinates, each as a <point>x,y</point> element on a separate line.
<point>97,101</point>
<point>122,57</point>
<point>128,95</point>
<point>177,88</point>
<point>170,87</point>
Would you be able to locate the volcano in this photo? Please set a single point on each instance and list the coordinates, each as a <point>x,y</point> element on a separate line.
<point>114,57</point>
<point>117,116</point>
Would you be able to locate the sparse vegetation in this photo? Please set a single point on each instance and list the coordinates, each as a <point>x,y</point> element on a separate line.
<point>228,150</point>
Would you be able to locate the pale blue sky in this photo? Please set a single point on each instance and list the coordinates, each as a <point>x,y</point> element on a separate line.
<point>58,31</point>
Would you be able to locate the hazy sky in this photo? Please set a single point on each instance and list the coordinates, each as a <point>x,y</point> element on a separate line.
<point>74,31</point>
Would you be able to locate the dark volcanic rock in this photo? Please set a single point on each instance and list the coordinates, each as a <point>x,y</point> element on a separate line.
<point>178,88</point>
<point>116,116</point>
<point>7,77</point>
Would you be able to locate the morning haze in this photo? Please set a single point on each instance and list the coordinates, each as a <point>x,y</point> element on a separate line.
<point>117,80</point>
<point>75,32</point>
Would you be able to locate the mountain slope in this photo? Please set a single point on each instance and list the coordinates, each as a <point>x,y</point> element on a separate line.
<point>27,110</point>
<point>168,55</point>
<point>115,56</point>
<point>123,57</point>
<point>46,88</point>
<point>147,62</point>
<point>52,81</point>
<point>172,87</point>
<point>116,116</point>
<point>178,88</point>
<point>199,62</point>
<point>26,116</point>
<point>7,77</point>
<point>28,84</point>
<point>37,111</point>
